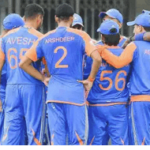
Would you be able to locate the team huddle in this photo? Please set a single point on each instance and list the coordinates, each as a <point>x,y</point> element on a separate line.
<point>92,91</point>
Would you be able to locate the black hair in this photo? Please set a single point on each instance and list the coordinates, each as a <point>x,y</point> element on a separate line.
<point>147,29</point>
<point>112,39</point>
<point>77,26</point>
<point>32,10</point>
<point>64,11</point>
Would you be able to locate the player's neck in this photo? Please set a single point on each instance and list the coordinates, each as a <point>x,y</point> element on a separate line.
<point>30,24</point>
<point>64,24</point>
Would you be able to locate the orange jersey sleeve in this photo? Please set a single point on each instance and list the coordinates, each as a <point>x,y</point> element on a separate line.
<point>2,55</point>
<point>118,61</point>
<point>31,53</point>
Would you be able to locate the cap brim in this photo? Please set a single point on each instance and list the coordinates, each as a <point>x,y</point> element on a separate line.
<point>98,30</point>
<point>102,14</point>
<point>75,23</point>
<point>131,23</point>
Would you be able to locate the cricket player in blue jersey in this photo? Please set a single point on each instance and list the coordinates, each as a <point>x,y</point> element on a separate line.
<point>138,53</point>
<point>63,49</point>
<point>23,92</point>
<point>115,15</point>
<point>10,22</point>
<point>109,95</point>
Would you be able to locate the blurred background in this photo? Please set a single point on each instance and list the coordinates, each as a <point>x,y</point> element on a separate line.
<point>88,9</point>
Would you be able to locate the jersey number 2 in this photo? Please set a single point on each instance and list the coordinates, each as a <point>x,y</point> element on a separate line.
<point>57,65</point>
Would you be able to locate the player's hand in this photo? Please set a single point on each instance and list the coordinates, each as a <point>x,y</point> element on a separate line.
<point>100,48</point>
<point>45,80</point>
<point>87,84</point>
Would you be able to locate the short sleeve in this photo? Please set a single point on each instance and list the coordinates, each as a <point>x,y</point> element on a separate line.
<point>36,51</point>
<point>89,45</point>
<point>2,50</point>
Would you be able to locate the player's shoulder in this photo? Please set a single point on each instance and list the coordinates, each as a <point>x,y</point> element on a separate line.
<point>49,33</point>
<point>44,36</point>
<point>11,32</point>
<point>35,32</point>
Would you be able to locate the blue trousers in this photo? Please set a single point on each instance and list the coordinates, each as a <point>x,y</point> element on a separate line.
<point>23,110</point>
<point>108,120</point>
<point>67,123</point>
<point>139,123</point>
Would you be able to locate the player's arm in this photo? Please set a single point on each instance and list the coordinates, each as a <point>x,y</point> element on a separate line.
<point>91,51</point>
<point>46,68</point>
<point>2,56</point>
<point>1,63</point>
<point>145,36</point>
<point>30,56</point>
<point>26,65</point>
<point>118,61</point>
<point>95,65</point>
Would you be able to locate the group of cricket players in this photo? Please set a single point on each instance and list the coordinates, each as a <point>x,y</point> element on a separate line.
<point>65,88</point>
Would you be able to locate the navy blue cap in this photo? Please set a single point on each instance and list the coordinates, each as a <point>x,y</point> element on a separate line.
<point>113,13</point>
<point>106,26</point>
<point>12,21</point>
<point>77,20</point>
<point>142,20</point>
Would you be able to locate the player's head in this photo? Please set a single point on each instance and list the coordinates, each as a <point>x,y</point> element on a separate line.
<point>141,23</point>
<point>109,30</point>
<point>12,21</point>
<point>64,13</point>
<point>34,13</point>
<point>114,15</point>
<point>77,22</point>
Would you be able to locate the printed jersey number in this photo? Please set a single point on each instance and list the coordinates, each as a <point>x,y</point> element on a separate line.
<point>14,57</point>
<point>57,65</point>
<point>117,80</point>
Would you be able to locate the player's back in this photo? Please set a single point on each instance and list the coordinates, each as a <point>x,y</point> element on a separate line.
<point>63,50</point>
<point>110,83</point>
<point>140,78</point>
<point>88,60</point>
<point>65,53</point>
<point>15,44</point>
